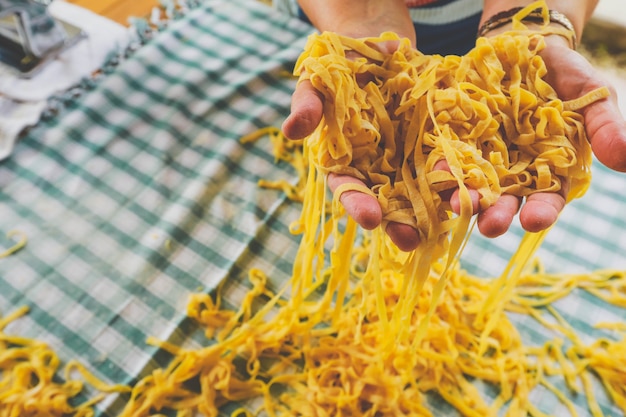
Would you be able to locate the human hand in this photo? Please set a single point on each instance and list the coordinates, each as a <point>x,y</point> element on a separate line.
<point>571,76</point>
<point>306,113</point>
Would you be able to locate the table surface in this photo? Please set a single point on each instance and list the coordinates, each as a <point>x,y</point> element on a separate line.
<point>119,10</point>
<point>140,193</point>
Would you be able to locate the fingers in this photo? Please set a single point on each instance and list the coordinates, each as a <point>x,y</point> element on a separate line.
<point>306,111</point>
<point>363,208</point>
<point>455,201</point>
<point>366,211</point>
<point>606,129</point>
<point>403,236</point>
<point>496,220</point>
<point>541,211</point>
<point>604,123</point>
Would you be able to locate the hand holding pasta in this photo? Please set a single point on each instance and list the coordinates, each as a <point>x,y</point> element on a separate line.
<point>504,122</point>
<point>572,76</point>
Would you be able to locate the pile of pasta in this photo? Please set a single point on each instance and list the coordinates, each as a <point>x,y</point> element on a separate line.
<point>30,384</point>
<point>364,329</point>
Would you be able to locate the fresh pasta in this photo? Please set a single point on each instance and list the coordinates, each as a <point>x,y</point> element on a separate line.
<point>364,329</point>
<point>489,114</point>
<point>28,379</point>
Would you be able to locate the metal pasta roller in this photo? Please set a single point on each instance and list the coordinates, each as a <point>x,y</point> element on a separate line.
<point>30,36</point>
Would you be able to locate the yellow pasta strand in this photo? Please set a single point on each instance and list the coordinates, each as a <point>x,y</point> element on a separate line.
<point>23,239</point>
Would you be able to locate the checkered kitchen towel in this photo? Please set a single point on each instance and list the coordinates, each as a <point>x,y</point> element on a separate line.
<point>140,193</point>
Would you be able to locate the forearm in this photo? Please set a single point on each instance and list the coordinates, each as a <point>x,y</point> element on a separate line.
<point>577,11</point>
<point>360,18</point>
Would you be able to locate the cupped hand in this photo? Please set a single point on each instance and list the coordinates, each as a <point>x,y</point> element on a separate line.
<point>306,113</point>
<point>572,76</point>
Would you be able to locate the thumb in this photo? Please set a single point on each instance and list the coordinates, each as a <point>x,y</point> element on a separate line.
<point>306,111</point>
<point>606,130</point>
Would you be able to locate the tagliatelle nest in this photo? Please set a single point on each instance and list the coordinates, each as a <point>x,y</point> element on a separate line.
<point>389,118</point>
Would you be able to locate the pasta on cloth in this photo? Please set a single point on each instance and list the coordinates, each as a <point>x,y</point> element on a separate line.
<point>362,329</point>
<point>28,378</point>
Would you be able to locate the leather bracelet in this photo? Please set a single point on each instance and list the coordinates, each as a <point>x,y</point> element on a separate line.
<point>505,17</point>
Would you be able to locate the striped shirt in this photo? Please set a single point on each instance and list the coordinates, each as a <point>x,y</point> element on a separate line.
<point>419,3</point>
<point>446,27</point>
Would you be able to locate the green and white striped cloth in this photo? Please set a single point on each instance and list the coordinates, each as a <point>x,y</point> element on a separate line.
<point>140,193</point>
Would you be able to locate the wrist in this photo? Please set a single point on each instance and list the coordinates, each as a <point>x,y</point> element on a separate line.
<point>534,18</point>
<point>577,12</point>
<point>360,18</point>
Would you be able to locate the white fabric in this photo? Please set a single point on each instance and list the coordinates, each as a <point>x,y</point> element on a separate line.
<point>22,100</point>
